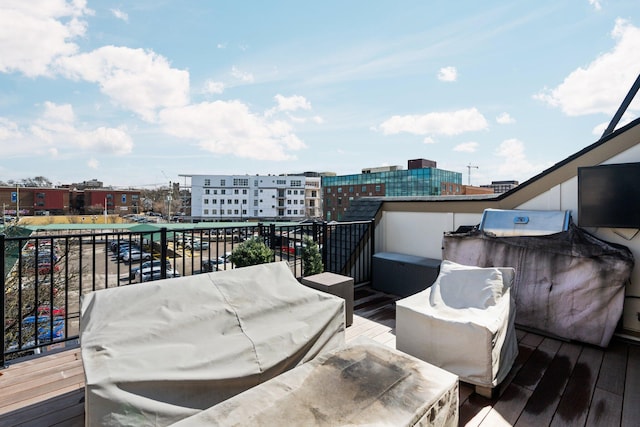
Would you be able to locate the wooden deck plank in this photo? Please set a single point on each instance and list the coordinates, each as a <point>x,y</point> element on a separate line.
<point>574,405</point>
<point>605,410</point>
<point>52,411</point>
<point>544,399</point>
<point>631,402</point>
<point>532,372</point>
<point>508,408</point>
<point>614,368</point>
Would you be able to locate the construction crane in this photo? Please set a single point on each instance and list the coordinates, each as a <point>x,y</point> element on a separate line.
<point>469,167</point>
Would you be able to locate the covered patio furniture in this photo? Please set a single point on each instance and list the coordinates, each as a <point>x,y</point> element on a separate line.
<point>158,352</point>
<point>363,383</point>
<point>463,323</point>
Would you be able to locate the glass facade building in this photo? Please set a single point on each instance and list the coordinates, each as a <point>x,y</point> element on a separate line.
<point>340,190</point>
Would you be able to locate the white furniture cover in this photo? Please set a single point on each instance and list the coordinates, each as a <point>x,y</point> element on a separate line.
<point>463,323</point>
<point>155,353</point>
<point>364,383</point>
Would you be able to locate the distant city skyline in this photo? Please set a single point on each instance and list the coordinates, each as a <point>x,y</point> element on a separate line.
<point>135,95</point>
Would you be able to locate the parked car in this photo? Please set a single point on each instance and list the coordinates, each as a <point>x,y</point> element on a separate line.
<point>197,245</point>
<point>135,255</point>
<point>45,310</point>
<point>209,265</point>
<point>43,329</point>
<point>154,273</point>
<point>148,264</point>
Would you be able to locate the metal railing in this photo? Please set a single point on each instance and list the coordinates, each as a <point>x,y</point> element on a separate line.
<point>45,275</point>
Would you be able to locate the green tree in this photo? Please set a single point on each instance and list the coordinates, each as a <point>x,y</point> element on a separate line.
<point>311,257</point>
<point>251,252</point>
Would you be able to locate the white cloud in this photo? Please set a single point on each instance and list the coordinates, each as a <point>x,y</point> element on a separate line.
<point>56,131</point>
<point>317,119</point>
<point>228,127</point>
<point>505,119</point>
<point>9,131</point>
<point>449,123</point>
<point>601,86</point>
<point>33,33</point>
<point>221,45</point>
<point>448,74</point>
<point>241,75</point>
<point>212,87</point>
<point>120,14</point>
<point>136,79</point>
<point>428,140</point>
<point>292,103</point>
<point>466,147</point>
<point>513,163</point>
<point>93,163</point>
<point>596,4</point>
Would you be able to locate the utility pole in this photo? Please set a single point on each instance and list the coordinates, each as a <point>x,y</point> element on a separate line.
<point>469,167</point>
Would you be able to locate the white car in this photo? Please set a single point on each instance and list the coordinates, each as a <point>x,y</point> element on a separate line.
<point>154,273</point>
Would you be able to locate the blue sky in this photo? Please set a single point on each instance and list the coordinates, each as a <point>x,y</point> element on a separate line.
<point>137,93</point>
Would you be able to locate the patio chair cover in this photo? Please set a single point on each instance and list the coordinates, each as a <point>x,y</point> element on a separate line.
<point>363,383</point>
<point>158,352</point>
<point>569,284</point>
<point>463,323</point>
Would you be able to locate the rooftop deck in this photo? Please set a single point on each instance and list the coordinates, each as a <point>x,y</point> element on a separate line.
<point>552,382</point>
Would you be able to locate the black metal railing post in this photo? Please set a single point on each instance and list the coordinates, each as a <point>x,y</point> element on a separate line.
<point>2,274</point>
<point>163,254</point>
<point>272,240</point>
<point>325,243</point>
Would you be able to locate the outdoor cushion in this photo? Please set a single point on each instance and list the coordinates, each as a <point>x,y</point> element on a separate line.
<point>461,286</point>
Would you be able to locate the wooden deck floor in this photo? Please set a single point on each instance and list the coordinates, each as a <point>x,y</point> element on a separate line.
<point>552,383</point>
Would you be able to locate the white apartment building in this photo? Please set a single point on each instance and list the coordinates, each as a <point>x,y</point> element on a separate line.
<point>313,197</point>
<point>247,197</point>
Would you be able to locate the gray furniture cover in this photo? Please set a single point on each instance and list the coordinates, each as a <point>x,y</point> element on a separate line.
<point>569,284</point>
<point>364,383</point>
<point>158,352</point>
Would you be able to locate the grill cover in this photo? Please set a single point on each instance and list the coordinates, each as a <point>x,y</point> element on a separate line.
<point>569,284</point>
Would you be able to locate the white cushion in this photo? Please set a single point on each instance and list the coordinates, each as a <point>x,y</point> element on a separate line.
<point>463,286</point>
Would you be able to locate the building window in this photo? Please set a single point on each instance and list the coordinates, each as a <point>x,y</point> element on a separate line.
<point>222,201</point>
<point>350,189</point>
<point>364,189</point>
<point>314,194</point>
<point>229,201</point>
<point>281,182</point>
<point>206,201</point>
<point>236,191</point>
<point>236,211</point>
<point>288,191</point>
<point>377,188</point>
<point>223,191</point>
<point>223,182</point>
<point>296,183</point>
<point>244,201</point>
<point>240,182</point>
<point>339,201</point>
<point>214,201</point>
<point>207,182</point>
<point>236,202</point>
<point>214,211</point>
<point>206,191</point>
<point>215,191</point>
<point>244,191</point>
<point>206,211</point>
<point>339,189</point>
